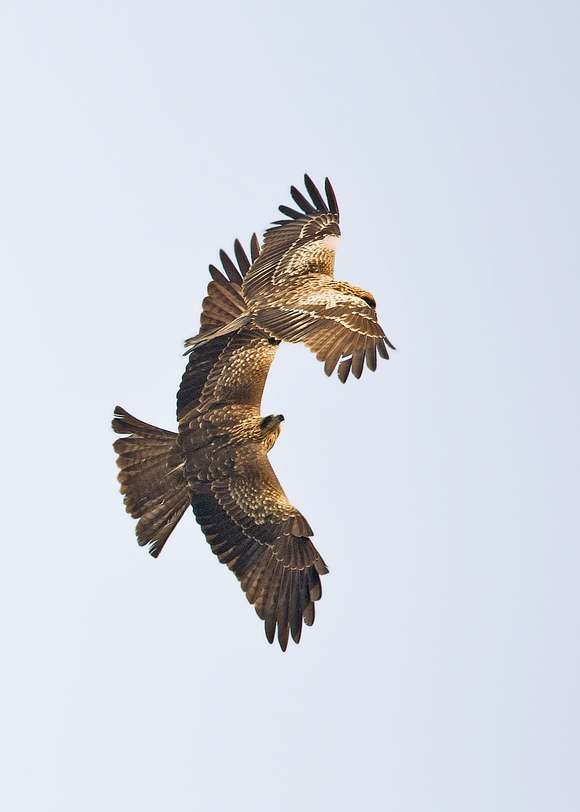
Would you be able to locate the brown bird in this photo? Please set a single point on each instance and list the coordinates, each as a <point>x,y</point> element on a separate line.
<point>290,291</point>
<point>218,464</point>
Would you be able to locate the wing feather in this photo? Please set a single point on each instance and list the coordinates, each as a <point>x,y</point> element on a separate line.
<point>292,213</point>
<point>357,363</point>
<point>317,198</point>
<point>242,258</point>
<point>344,369</point>
<point>254,248</point>
<point>331,197</point>
<point>233,273</point>
<point>296,245</point>
<point>299,198</point>
<point>371,357</point>
<point>281,579</point>
<point>295,605</point>
<point>282,606</point>
<point>308,613</point>
<point>291,291</point>
<point>328,329</point>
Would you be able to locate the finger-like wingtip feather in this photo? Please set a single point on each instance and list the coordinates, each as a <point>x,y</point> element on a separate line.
<point>344,369</point>
<point>331,197</point>
<point>283,632</point>
<point>242,258</point>
<point>317,198</point>
<point>383,352</point>
<point>309,614</point>
<point>358,359</point>
<point>371,356</point>
<point>292,213</point>
<point>299,199</point>
<point>230,268</point>
<point>270,627</point>
<point>332,361</point>
<point>254,247</point>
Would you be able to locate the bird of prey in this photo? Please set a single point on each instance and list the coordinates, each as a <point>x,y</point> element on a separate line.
<point>290,291</point>
<point>218,464</point>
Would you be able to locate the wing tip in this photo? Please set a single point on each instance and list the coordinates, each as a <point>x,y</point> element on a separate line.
<point>309,209</point>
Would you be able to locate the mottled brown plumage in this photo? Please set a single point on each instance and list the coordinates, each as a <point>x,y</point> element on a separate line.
<point>218,463</point>
<point>290,290</point>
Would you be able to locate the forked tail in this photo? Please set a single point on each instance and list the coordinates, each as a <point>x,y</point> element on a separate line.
<point>152,478</point>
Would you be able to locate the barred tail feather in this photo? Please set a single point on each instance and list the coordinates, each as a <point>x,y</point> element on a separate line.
<point>152,478</point>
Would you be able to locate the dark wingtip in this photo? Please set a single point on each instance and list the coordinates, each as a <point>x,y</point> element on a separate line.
<point>120,412</point>
<point>241,257</point>
<point>371,357</point>
<point>118,423</point>
<point>291,213</point>
<point>283,632</point>
<point>299,198</point>
<point>331,197</point>
<point>344,369</point>
<point>254,247</point>
<point>315,195</point>
<point>309,614</point>
<point>383,352</point>
<point>270,629</point>
<point>297,633</point>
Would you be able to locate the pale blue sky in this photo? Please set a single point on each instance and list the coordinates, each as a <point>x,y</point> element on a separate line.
<point>442,671</point>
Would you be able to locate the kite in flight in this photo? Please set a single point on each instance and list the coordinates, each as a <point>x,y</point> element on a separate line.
<point>217,462</point>
<point>290,290</point>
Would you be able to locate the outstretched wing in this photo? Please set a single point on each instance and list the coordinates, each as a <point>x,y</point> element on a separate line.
<point>293,295</point>
<point>252,527</point>
<point>237,499</point>
<point>332,319</point>
<point>302,244</point>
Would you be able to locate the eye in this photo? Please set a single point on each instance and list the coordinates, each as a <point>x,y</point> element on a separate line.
<point>266,421</point>
<point>370,301</point>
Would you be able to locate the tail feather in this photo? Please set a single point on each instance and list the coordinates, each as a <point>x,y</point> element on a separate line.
<point>152,478</point>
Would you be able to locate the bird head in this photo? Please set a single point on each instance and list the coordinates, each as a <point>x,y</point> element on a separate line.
<point>270,429</point>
